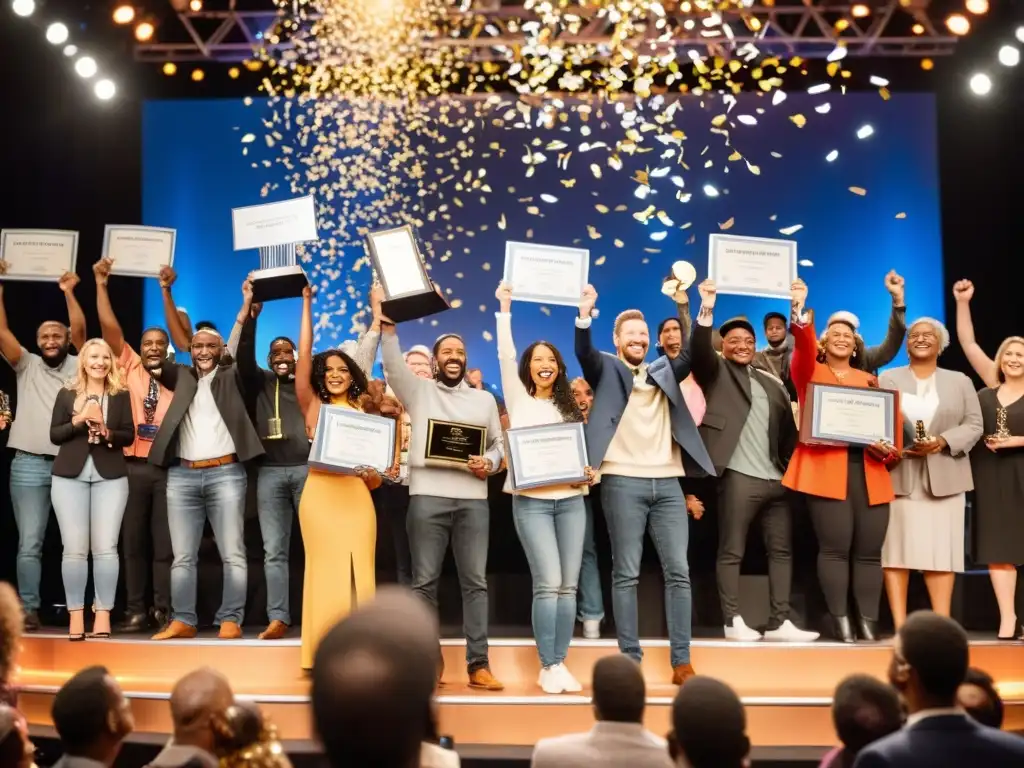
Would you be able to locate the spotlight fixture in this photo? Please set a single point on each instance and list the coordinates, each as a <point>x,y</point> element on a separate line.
<point>57,33</point>
<point>23,8</point>
<point>1020,34</point>
<point>86,67</point>
<point>144,31</point>
<point>170,69</point>
<point>917,29</point>
<point>124,14</point>
<point>1009,56</point>
<point>927,65</point>
<point>958,24</point>
<point>233,73</point>
<point>195,6</point>
<point>977,7</point>
<point>70,50</point>
<point>104,90</point>
<point>981,84</point>
<point>860,11</point>
<point>198,75</point>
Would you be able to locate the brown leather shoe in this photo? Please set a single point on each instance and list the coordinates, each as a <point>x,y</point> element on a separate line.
<point>175,630</point>
<point>275,631</point>
<point>682,673</point>
<point>229,630</point>
<point>483,679</point>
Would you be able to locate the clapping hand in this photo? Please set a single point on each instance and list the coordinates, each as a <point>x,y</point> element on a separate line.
<point>479,466</point>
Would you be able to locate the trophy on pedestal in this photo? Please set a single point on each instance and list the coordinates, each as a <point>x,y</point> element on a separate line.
<point>275,229</point>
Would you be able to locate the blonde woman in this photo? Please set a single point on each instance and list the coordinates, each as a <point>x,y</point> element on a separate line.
<point>92,423</point>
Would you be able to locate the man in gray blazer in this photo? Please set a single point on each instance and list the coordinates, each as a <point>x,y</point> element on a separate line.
<point>618,738</point>
<point>641,436</point>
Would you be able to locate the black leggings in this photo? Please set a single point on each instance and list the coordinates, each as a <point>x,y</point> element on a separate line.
<point>850,530</point>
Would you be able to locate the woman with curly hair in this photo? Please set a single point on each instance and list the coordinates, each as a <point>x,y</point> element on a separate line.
<point>551,521</point>
<point>339,526</point>
<point>11,625</point>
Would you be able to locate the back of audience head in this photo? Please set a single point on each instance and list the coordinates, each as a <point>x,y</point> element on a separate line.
<point>16,749</point>
<point>92,715</point>
<point>10,631</point>
<point>709,726</point>
<point>978,695</point>
<point>619,690</point>
<point>864,709</point>
<point>929,662</point>
<point>374,676</point>
<point>199,705</point>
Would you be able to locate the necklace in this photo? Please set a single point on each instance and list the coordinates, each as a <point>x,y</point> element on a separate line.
<point>840,375</point>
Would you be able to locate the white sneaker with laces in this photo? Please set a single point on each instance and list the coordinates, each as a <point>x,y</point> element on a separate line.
<point>592,629</point>
<point>550,680</point>
<point>740,631</point>
<point>790,633</point>
<point>569,683</point>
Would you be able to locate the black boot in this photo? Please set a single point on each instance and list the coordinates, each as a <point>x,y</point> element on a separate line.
<point>134,623</point>
<point>867,629</point>
<point>842,630</point>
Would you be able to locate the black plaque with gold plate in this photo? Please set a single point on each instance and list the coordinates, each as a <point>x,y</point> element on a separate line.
<point>451,443</point>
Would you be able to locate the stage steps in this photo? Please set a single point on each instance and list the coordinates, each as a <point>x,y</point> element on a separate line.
<point>787,688</point>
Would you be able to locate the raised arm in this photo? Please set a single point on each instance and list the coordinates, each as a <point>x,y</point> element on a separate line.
<point>704,361</point>
<point>589,358</point>
<point>181,337</point>
<point>983,365</point>
<point>76,317</point>
<point>511,386</point>
<point>249,371</point>
<point>883,354</point>
<point>366,349</point>
<point>10,347</point>
<point>683,308</point>
<point>805,343</point>
<point>400,378</point>
<point>110,328</point>
<point>304,364</point>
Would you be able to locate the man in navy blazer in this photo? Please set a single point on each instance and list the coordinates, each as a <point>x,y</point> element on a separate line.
<point>642,437</point>
<point>928,665</point>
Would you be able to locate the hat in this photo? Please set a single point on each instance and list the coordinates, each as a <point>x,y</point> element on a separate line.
<point>736,322</point>
<point>774,316</point>
<point>847,318</point>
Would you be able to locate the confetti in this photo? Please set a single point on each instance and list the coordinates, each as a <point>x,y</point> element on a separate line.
<point>787,231</point>
<point>832,156</point>
<point>865,131</point>
<point>805,263</point>
<point>727,224</point>
<point>455,303</point>
<point>901,215</point>
<point>859,191</point>
<point>799,120</point>
<point>710,190</point>
<point>599,261</point>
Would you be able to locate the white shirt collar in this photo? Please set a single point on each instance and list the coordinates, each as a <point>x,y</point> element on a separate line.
<point>924,714</point>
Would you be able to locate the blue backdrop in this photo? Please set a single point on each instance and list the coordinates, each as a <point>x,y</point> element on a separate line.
<point>194,173</point>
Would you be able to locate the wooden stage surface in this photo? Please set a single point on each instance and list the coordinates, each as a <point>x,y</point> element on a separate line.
<point>786,688</point>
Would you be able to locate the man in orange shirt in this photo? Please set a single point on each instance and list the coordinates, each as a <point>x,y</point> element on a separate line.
<point>144,528</point>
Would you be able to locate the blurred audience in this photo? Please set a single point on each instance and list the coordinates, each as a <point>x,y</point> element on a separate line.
<point>199,711</point>
<point>16,749</point>
<point>92,718</point>
<point>709,726</point>
<point>11,623</point>
<point>978,696</point>
<point>864,709</point>
<point>245,739</point>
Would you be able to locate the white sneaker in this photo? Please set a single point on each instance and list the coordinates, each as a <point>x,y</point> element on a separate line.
<point>569,683</point>
<point>550,680</point>
<point>740,631</point>
<point>592,629</point>
<point>789,633</point>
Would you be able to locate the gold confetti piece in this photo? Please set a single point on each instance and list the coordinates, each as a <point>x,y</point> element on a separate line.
<point>600,260</point>
<point>885,94</point>
<point>249,138</point>
<point>791,230</point>
<point>753,168</point>
<point>501,222</point>
<point>545,310</point>
<point>859,191</point>
<point>549,198</point>
<point>592,231</point>
<point>455,303</point>
<point>901,215</point>
<point>568,183</point>
<point>641,177</point>
<point>799,120</point>
<point>727,224</point>
<point>719,120</point>
<point>601,208</point>
<point>486,334</point>
<point>735,156</point>
<point>486,266</point>
<point>621,208</point>
<point>533,210</point>
<point>618,243</point>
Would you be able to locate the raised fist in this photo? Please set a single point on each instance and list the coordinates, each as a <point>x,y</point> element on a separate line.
<point>963,290</point>
<point>798,292</point>
<point>708,293</point>
<point>588,299</point>
<point>894,284</point>
<point>504,296</point>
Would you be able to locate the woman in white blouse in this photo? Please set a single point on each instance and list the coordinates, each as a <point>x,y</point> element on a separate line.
<point>550,521</point>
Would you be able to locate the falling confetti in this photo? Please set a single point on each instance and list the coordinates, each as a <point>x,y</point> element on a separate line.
<point>805,263</point>
<point>901,215</point>
<point>791,230</point>
<point>832,156</point>
<point>865,131</point>
<point>727,224</point>
<point>859,191</point>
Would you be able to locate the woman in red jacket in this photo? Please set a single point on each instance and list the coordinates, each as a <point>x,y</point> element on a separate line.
<point>848,489</point>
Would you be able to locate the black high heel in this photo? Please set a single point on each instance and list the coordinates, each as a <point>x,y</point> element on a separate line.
<point>842,630</point>
<point>1017,635</point>
<point>80,637</point>
<point>868,629</point>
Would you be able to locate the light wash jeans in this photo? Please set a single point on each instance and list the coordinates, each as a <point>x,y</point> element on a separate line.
<point>551,531</point>
<point>590,599</point>
<point>278,490</point>
<point>193,495</point>
<point>631,506</point>
<point>89,510</point>
<point>30,497</point>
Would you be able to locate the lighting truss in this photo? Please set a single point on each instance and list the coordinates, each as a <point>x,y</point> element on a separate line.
<point>805,28</point>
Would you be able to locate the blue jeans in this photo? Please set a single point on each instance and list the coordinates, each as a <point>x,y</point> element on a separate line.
<point>278,490</point>
<point>89,510</point>
<point>193,495</point>
<point>551,531</point>
<point>30,498</point>
<point>631,506</point>
<point>590,602</point>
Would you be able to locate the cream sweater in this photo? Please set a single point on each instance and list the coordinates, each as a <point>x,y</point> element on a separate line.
<point>643,444</point>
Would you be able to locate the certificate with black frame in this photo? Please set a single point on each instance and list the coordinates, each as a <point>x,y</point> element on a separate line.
<point>550,454</point>
<point>451,443</point>
<point>408,291</point>
<point>346,439</point>
<point>834,414</point>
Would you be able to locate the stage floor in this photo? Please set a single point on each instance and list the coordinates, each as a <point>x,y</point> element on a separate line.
<point>786,688</point>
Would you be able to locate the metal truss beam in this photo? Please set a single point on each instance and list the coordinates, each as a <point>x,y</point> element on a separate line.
<point>491,33</point>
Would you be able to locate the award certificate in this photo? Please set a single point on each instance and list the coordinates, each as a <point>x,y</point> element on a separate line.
<point>346,439</point>
<point>552,454</point>
<point>841,415</point>
<point>42,255</point>
<point>752,266</point>
<point>546,274</point>
<point>452,443</point>
<point>285,223</point>
<point>138,251</point>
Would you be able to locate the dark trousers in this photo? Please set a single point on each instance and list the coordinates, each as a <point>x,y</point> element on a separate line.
<point>146,538</point>
<point>392,502</point>
<point>741,499</point>
<point>850,530</point>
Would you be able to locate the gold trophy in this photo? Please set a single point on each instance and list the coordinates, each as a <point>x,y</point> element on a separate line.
<point>5,407</point>
<point>274,423</point>
<point>1002,431</point>
<point>920,433</point>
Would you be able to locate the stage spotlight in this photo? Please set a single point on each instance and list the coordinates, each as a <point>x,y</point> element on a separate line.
<point>981,84</point>
<point>917,29</point>
<point>234,72</point>
<point>23,7</point>
<point>170,68</point>
<point>860,11</point>
<point>958,24</point>
<point>124,14</point>
<point>104,90</point>
<point>144,32</point>
<point>1020,34</point>
<point>86,67</point>
<point>977,7</point>
<point>57,33</point>
<point>198,75</point>
<point>195,6</point>
<point>927,65</point>
<point>1009,56</point>
<point>70,50</point>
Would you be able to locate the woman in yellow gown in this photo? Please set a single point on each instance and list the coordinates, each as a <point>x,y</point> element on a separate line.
<point>339,526</point>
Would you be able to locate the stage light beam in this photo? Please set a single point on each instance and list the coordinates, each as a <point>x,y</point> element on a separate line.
<point>1009,56</point>
<point>977,7</point>
<point>70,50</point>
<point>124,14</point>
<point>170,69</point>
<point>57,33</point>
<point>195,6</point>
<point>144,31</point>
<point>1020,34</point>
<point>23,8</point>
<point>860,11</point>
<point>958,24</point>
<point>86,67</point>
<point>981,84</point>
<point>104,90</point>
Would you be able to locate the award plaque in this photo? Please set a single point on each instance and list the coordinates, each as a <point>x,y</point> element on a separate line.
<point>408,290</point>
<point>452,443</point>
<point>843,416</point>
<point>347,439</point>
<point>552,454</point>
<point>275,229</point>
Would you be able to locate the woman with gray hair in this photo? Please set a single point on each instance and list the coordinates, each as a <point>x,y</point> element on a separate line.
<point>942,422</point>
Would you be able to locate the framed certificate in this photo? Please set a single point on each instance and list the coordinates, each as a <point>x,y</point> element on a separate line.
<point>834,414</point>
<point>138,251</point>
<point>271,224</point>
<point>552,454</point>
<point>546,274</point>
<point>403,275</point>
<point>346,439</point>
<point>41,255</point>
<point>452,443</point>
<point>752,266</point>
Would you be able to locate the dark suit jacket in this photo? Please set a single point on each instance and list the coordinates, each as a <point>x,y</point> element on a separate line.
<point>73,439</point>
<point>612,382</point>
<point>944,741</point>
<point>726,389</point>
<point>228,395</point>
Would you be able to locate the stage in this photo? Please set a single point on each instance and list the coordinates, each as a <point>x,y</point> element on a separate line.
<point>786,688</point>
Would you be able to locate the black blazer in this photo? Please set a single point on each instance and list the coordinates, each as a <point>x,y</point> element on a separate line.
<point>944,741</point>
<point>73,439</point>
<point>726,389</point>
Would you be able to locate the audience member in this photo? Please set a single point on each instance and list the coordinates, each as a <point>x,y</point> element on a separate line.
<point>92,718</point>
<point>977,694</point>
<point>709,726</point>
<point>245,739</point>
<point>864,709</point>
<point>199,707</point>
<point>16,749</point>
<point>11,623</point>
<point>618,738</point>
<point>929,663</point>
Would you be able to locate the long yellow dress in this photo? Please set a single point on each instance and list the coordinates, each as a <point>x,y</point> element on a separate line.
<point>339,531</point>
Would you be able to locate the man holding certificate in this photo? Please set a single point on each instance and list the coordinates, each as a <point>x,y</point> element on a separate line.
<point>456,443</point>
<point>641,434</point>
